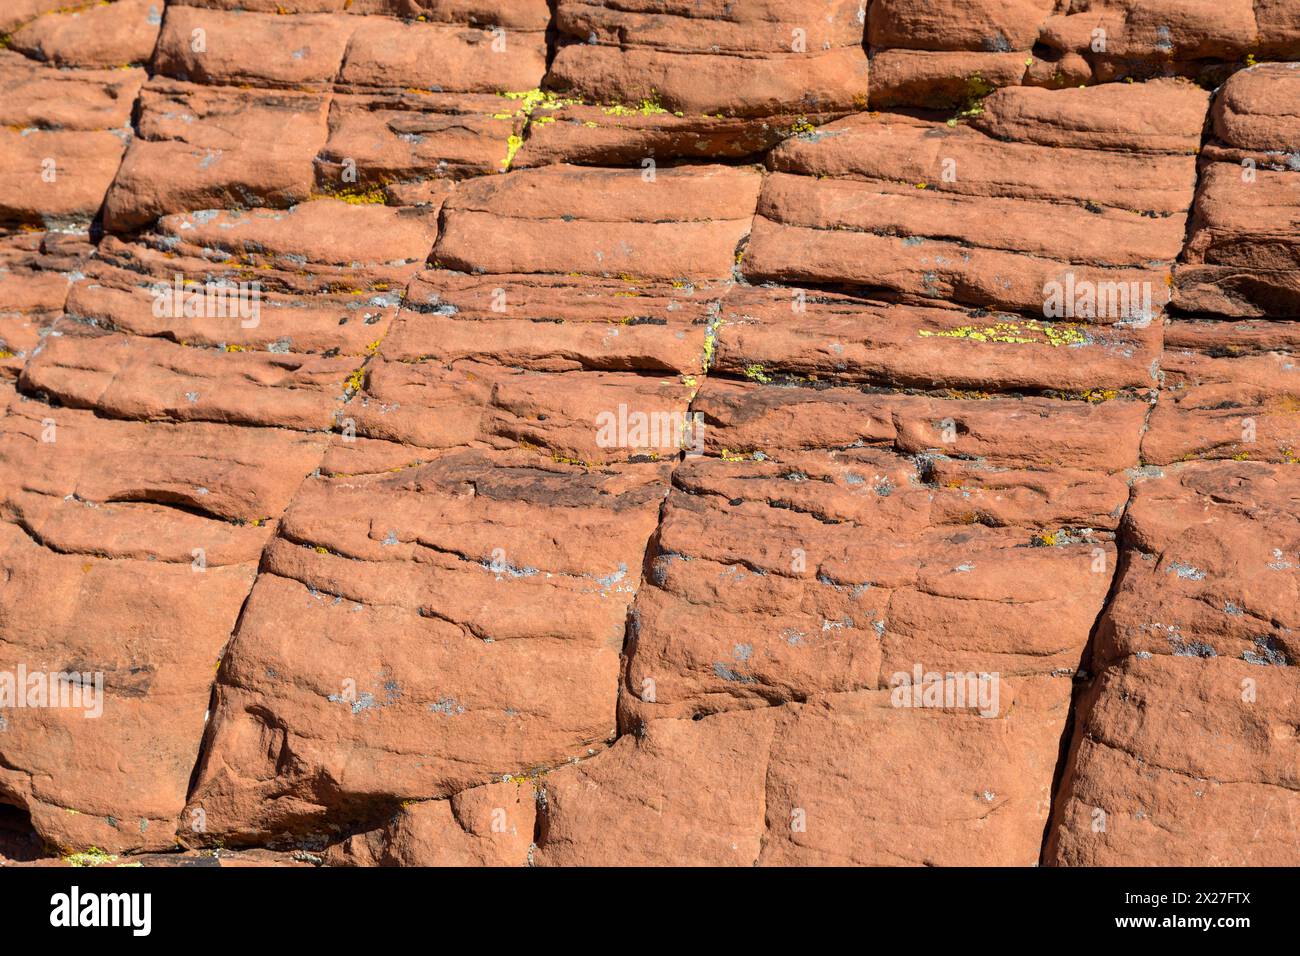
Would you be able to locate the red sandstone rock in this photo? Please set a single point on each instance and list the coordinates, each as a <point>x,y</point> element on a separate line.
<point>1243,257</point>
<point>626,415</point>
<point>1185,745</point>
<point>146,529</point>
<point>203,148</point>
<point>35,274</point>
<point>132,346</point>
<point>941,80</point>
<point>407,137</point>
<point>65,99</point>
<point>749,58</point>
<point>665,224</point>
<point>463,621</point>
<point>1226,396</point>
<point>228,49</point>
<point>103,35</point>
<point>483,826</point>
<point>1127,38</point>
<point>937,222</point>
<point>956,24</point>
<point>445,59</point>
<point>65,132</point>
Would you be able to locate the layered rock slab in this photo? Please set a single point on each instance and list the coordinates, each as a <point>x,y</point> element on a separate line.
<point>138,526</point>
<point>205,147</point>
<point>258,318</point>
<point>219,48</point>
<point>36,271</point>
<point>943,417</point>
<point>1126,39</point>
<point>1230,390</point>
<point>64,134</point>
<point>950,54</point>
<point>750,58</point>
<point>833,781</point>
<point>415,634</point>
<point>490,825</point>
<point>1241,258</point>
<point>606,311</point>
<point>99,36</point>
<point>539,362</point>
<point>640,81</point>
<point>412,137</point>
<point>981,216</point>
<point>829,543</point>
<point>1185,747</point>
<point>674,223</point>
<point>763,588</point>
<point>814,335</point>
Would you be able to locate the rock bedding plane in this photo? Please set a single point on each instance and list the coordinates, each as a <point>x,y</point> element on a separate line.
<point>650,432</point>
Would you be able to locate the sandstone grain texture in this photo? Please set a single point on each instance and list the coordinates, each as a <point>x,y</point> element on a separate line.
<point>614,432</point>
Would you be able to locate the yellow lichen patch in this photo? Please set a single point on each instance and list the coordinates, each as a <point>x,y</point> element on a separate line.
<point>710,344</point>
<point>755,373</point>
<point>647,107</point>
<point>566,460</point>
<point>1016,332</point>
<point>1241,456</point>
<point>801,127</point>
<point>92,857</point>
<point>513,144</point>
<point>357,195</point>
<point>1095,396</point>
<point>528,777</point>
<point>972,104</point>
<point>729,455</point>
<point>1045,539</point>
<point>537,99</point>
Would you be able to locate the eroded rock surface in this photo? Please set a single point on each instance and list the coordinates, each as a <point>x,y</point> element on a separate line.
<point>1186,743</point>
<point>762,432</point>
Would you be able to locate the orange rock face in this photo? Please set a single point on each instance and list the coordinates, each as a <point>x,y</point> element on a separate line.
<point>705,432</point>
